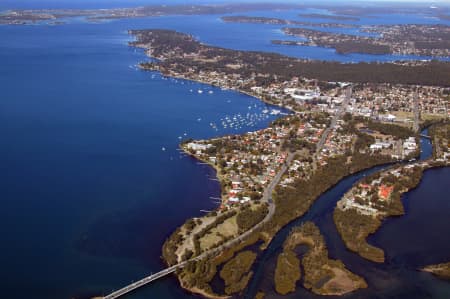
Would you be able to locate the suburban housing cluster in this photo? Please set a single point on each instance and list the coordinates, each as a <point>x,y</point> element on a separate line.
<point>372,198</point>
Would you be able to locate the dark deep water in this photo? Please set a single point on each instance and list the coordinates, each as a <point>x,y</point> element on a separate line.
<point>412,241</point>
<point>88,194</point>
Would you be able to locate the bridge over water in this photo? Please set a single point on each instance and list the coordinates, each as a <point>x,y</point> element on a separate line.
<point>267,197</point>
<point>146,280</point>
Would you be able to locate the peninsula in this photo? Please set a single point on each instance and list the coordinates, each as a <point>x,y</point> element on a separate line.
<point>277,21</point>
<point>408,39</point>
<point>32,16</point>
<point>440,270</point>
<point>329,135</point>
<point>267,231</point>
<point>420,40</point>
<point>362,209</point>
<point>329,17</point>
<point>180,55</point>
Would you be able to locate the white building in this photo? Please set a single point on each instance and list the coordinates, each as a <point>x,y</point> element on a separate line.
<point>388,117</point>
<point>380,145</point>
<point>198,146</point>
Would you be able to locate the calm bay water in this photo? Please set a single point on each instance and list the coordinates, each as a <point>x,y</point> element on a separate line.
<point>92,181</point>
<point>88,193</point>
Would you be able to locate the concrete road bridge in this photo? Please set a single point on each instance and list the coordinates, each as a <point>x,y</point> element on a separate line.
<point>267,197</point>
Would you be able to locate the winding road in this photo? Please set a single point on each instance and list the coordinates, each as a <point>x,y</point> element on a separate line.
<point>267,197</point>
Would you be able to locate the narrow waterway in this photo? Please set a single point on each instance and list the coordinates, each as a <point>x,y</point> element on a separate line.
<point>398,277</point>
<point>92,181</point>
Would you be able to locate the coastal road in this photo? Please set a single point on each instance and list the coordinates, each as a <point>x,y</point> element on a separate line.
<point>267,197</point>
<point>336,117</point>
<point>416,125</point>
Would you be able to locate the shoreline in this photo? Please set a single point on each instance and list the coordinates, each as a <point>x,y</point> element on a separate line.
<point>219,178</point>
<point>181,77</point>
<point>378,255</point>
<point>441,271</point>
<point>353,169</point>
<point>321,274</point>
<point>208,163</point>
<point>198,291</point>
<point>267,241</point>
<point>190,172</point>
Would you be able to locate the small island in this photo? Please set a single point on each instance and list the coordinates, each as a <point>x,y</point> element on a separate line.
<point>236,272</point>
<point>343,118</point>
<point>322,275</point>
<point>334,129</point>
<point>335,120</point>
<point>248,168</point>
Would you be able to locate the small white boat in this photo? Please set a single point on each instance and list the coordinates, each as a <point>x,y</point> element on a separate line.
<point>275,112</point>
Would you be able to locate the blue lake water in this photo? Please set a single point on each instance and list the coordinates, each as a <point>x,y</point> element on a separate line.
<point>92,181</point>
<point>88,193</point>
